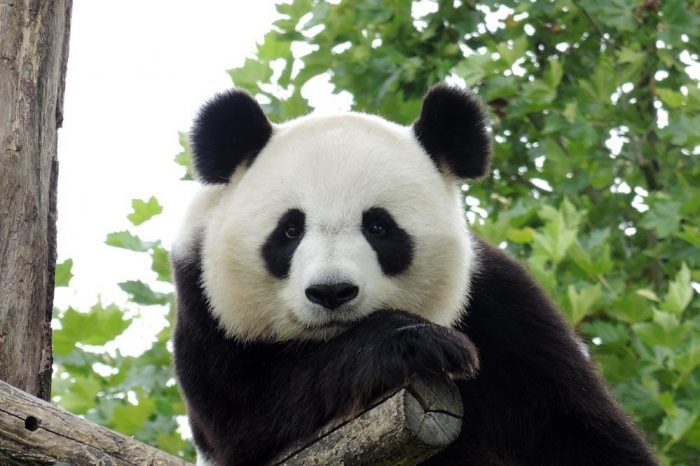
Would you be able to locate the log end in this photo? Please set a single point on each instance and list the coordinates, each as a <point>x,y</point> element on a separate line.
<point>433,410</point>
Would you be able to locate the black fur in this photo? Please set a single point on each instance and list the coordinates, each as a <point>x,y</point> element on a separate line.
<point>229,130</point>
<point>278,248</point>
<point>394,248</point>
<point>452,129</point>
<point>536,400</point>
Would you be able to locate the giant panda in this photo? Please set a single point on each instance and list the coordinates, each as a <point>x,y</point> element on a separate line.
<point>326,260</point>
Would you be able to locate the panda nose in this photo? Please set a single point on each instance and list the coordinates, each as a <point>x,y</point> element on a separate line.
<point>332,296</point>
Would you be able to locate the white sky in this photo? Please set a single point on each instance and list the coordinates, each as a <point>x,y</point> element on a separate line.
<point>137,72</point>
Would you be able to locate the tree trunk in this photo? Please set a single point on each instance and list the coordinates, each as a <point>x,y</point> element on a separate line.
<point>33,53</point>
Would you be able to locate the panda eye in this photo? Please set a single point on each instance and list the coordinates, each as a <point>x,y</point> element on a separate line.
<point>291,231</point>
<point>377,229</point>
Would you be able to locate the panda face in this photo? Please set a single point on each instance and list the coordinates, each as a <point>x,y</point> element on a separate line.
<point>334,218</point>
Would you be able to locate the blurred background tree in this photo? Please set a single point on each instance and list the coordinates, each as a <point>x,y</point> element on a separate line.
<point>595,111</point>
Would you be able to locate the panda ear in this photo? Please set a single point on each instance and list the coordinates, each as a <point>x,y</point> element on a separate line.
<point>452,130</point>
<point>229,130</point>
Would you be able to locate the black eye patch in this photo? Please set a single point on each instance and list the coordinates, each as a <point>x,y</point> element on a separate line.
<point>393,246</point>
<point>282,242</point>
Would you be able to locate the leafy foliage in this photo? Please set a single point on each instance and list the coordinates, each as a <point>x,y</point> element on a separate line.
<point>596,183</point>
<point>135,395</point>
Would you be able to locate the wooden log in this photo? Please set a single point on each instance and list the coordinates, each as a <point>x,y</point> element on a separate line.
<point>402,428</point>
<point>34,432</point>
<point>33,54</point>
<point>405,428</point>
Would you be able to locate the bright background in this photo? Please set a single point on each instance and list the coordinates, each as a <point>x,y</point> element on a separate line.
<point>137,73</point>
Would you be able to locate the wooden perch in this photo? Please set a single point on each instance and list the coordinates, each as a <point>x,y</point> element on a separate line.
<point>403,428</point>
<point>34,432</point>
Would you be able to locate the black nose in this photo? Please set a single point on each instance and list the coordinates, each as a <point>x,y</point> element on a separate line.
<point>332,296</point>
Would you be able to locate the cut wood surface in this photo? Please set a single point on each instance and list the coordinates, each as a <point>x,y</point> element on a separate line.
<point>34,432</point>
<point>405,428</point>
<point>33,53</point>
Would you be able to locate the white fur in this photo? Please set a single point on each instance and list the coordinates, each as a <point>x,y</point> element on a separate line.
<point>202,460</point>
<point>332,168</point>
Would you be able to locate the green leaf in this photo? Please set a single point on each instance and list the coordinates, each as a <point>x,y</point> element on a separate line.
<point>665,331</point>
<point>671,98</point>
<point>144,210</point>
<point>141,293</point>
<point>538,93</point>
<point>172,443</point>
<point>160,263</point>
<point>556,237</point>
<point>184,158</point>
<point>96,327</point>
<point>250,74</point>
<point>676,426</point>
<point>127,240</point>
<point>81,396</point>
<point>510,54</point>
<point>570,111</point>
<point>629,56</point>
<point>663,217</point>
<point>474,68</point>
<point>631,308</point>
<point>679,19</point>
<point>691,235</point>
<point>129,418</point>
<point>690,358</point>
<point>499,87</point>
<point>649,294</point>
<point>522,235</point>
<point>600,86</point>
<point>64,272</point>
<point>618,14</point>
<point>554,73</point>
<point>581,258</point>
<point>609,334</point>
<point>581,303</point>
<point>682,129</point>
<point>680,292</point>
<point>293,107</point>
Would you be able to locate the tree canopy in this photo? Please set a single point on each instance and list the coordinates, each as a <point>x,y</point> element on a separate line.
<point>594,109</point>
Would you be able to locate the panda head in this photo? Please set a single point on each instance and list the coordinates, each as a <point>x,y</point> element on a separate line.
<point>305,227</point>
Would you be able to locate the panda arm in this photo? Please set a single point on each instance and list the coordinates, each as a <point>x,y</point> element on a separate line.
<point>247,401</point>
<point>303,386</point>
<point>537,398</point>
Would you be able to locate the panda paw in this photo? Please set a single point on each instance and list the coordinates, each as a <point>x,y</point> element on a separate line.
<point>432,350</point>
<point>406,344</point>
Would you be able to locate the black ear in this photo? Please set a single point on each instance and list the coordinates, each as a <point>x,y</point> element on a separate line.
<point>229,130</point>
<point>452,129</point>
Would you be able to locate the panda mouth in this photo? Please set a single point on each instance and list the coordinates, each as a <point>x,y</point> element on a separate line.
<point>325,326</point>
<point>329,325</point>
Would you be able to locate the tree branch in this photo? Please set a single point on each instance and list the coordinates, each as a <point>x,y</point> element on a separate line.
<point>34,432</point>
<point>403,428</point>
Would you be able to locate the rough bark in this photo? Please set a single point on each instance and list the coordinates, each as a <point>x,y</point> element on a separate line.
<point>34,432</point>
<point>404,429</point>
<point>33,54</point>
